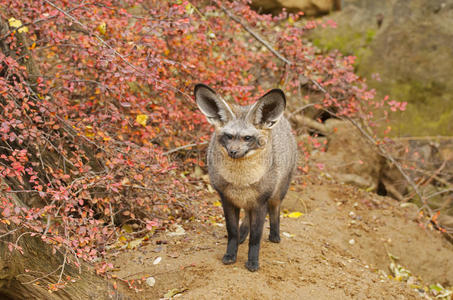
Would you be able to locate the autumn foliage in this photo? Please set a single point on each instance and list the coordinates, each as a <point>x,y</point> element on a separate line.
<point>93,94</point>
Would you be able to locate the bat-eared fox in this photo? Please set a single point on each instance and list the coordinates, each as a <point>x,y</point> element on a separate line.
<point>251,158</point>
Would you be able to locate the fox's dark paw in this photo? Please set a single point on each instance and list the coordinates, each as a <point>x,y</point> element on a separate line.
<point>229,259</point>
<point>252,266</point>
<point>274,238</point>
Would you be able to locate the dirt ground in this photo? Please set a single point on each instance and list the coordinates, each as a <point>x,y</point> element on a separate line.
<point>338,249</point>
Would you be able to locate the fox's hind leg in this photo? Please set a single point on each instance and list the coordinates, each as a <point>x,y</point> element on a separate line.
<point>274,210</point>
<point>245,228</point>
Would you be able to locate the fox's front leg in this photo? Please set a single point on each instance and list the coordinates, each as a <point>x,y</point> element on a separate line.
<point>257,217</point>
<point>232,223</point>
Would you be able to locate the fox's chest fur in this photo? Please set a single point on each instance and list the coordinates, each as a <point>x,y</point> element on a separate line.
<point>241,176</point>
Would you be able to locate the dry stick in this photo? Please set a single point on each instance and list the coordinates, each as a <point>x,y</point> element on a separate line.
<point>184,147</point>
<point>436,177</point>
<point>427,181</point>
<point>370,138</point>
<point>301,109</point>
<point>418,138</point>
<point>440,192</point>
<point>39,278</point>
<point>62,267</point>
<point>309,122</point>
<point>266,44</point>
<point>255,35</point>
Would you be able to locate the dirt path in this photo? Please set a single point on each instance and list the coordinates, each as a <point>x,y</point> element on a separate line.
<point>333,251</point>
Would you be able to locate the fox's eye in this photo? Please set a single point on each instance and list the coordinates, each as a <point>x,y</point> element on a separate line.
<point>247,138</point>
<point>229,136</point>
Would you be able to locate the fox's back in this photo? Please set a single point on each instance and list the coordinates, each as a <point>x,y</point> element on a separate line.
<point>284,149</point>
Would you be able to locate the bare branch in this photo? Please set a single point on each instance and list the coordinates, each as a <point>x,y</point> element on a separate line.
<point>255,35</point>
<point>268,46</point>
<point>440,192</point>
<point>304,121</point>
<point>184,147</point>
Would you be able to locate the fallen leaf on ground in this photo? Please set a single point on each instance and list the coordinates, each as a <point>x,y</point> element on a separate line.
<point>178,231</point>
<point>157,260</point>
<point>150,281</point>
<point>288,235</point>
<point>173,292</point>
<point>294,215</point>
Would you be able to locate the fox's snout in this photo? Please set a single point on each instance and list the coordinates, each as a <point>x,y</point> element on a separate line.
<point>236,151</point>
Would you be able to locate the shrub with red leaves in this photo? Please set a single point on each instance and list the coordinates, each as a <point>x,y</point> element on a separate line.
<point>94,93</point>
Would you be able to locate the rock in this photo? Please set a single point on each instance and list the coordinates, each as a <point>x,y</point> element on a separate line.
<point>309,7</point>
<point>408,43</point>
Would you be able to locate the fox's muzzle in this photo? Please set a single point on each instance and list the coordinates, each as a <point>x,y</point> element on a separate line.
<point>236,153</point>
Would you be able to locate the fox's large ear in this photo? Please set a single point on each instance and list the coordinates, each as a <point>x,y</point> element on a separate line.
<point>268,110</point>
<point>212,106</point>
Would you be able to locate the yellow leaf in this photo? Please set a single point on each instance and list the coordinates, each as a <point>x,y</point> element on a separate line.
<point>217,203</point>
<point>102,28</point>
<point>89,131</point>
<point>14,23</point>
<point>135,243</point>
<point>189,9</point>
<point>142,119</point>
<point>295,215</point>
<point>127,228</point>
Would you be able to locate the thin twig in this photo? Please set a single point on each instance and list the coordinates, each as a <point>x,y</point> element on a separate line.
<point>432,176</point>
<point>184,147</point>
<point>255,35</point>
<point>21,191</point>
<point>435,176</point>
<point>422,138</point>
<point>9,232</point>
<point>438,193</point>
<point>62,267</point>
<point>39,278</point>
<point>301,109</point>
<point>267,45</point>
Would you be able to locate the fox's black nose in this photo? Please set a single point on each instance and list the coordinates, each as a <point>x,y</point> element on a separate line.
<point>233,153</point>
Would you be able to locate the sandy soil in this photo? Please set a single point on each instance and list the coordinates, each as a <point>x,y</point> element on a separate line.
<point>335,250</point>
